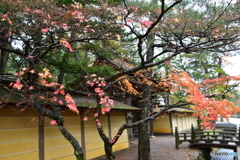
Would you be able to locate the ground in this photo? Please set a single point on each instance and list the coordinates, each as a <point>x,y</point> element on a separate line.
<point>162,148</point>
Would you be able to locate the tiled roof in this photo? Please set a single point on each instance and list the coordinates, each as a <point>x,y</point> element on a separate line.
<point>80,100</point>
<point>176,109</point>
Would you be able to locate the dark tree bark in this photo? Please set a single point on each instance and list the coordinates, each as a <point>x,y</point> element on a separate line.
<point>144,133</point>
<point>3,53</point>
<point>107,142</point>
<point>143,139</point>
<point>108,151</point>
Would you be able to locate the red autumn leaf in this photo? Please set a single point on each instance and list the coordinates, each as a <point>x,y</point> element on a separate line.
<point>33,119</point>
<point>71,103</point>
<point>85,118</point>
<point>53,122</point>
<point>65,43</point>
<point>62,92</point>
<point>73,108</point>
<point>5,17</point>
<point>18,85</point>
<point>60,102</point>
<point>44,30</point>
<point>147,23</point>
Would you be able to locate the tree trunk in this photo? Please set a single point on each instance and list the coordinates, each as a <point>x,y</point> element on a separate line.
<point>108,151</point>
<point>143,142</point>
<point>4,54</point>
<point>77,149</point>
<point>107,142</point>
<point>143,139</point>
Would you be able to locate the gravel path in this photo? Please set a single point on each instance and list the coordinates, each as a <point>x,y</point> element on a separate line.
<point>162,148</point>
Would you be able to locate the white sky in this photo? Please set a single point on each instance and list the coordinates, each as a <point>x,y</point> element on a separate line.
<point>233,69</point>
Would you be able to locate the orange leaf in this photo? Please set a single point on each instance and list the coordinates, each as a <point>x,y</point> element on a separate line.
<point>65,43</point>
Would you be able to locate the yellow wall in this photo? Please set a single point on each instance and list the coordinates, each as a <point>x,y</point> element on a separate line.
<point>18,134</point>
<point>162,124</point>
<point>183,121</point>
<point>117,120</point>
<point>56,146</point>
<point>93,142</point>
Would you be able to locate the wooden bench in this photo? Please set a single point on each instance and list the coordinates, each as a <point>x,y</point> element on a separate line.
<point>214,145</point>
<point>203,138</point>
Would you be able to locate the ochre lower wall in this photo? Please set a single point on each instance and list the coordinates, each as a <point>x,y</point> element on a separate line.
<point>19,135</point>
<point>93,142</point>
<point>56,146</point>
<point>183,121</point>
<point>162,124</point>
<point>117,120</point>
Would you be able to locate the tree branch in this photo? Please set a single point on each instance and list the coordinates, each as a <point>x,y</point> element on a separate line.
<point>16,51</point>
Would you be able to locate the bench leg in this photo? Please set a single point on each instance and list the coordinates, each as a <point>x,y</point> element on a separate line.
<point>236,154</point>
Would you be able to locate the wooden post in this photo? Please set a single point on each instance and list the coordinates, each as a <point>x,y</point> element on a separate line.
<point>41,137</point>
<point>176,138</point>
<point>192,135</point>
<point>82,131</point>
<point>238,135</point>
<point>151,129</point>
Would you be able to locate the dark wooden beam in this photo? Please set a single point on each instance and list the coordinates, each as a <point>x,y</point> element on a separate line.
<point>170,120</point>
<point>82,131</point>
<point>109,126</point>
<point>41,137</point>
